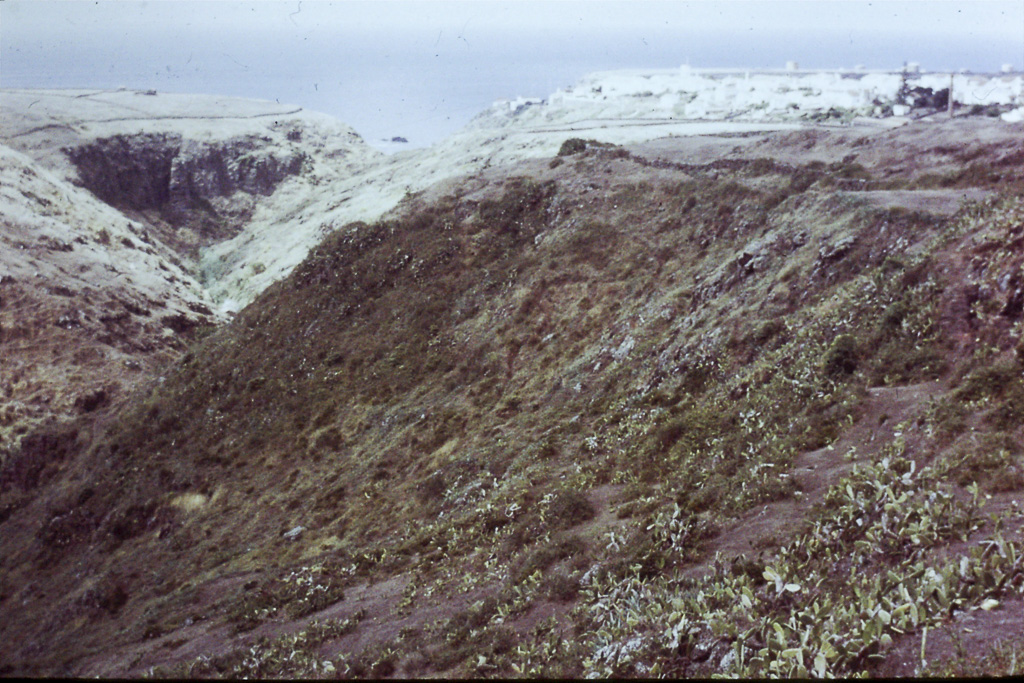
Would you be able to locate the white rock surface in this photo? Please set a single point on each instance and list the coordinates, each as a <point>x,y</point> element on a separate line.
<point>56,234</point>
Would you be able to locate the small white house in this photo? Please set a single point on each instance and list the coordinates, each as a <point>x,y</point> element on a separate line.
<point>792,66</point>
<point>1006,69</point>
<point>900,109</point>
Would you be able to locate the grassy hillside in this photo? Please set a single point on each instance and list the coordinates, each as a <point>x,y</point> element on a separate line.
<point>592,415</point>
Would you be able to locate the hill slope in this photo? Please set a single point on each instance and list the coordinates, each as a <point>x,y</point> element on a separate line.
<point>196,170</point>
<point>89,301</point>
<point>506,430</point>
<point>110,198</point>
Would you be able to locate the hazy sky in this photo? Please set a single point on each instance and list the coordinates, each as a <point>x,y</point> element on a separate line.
<point>422,69</point>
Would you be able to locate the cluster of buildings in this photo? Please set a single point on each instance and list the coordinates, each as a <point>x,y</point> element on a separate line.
<point>778,94</point>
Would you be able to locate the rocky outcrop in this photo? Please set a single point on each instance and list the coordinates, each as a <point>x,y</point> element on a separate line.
<point>195,170</point>
<point>183,180</point>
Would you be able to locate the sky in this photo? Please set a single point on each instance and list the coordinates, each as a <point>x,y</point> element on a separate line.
<point>422,69</point>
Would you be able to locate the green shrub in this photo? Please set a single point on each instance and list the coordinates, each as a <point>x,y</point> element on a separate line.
<point>432,488</point>
<point>569,508</point>
<point>376,661</point>
<point>707,495</point>
<point>559,587</point>
<point>842,357</point>
<point>572,146</point>
<point>899,362</point>
<point>894,315</point>
<point>989,381</point>
<point>949,418</point>
<point>1009,412</point>
<point>666,435</point>
<point>816,431</point>
<point>475,616</point>
<point>548,447</point>
<point>993,461</point>
<point>501,639</point>
<point>547,555</point>
<point>593,242</point>
<point>767,330</point>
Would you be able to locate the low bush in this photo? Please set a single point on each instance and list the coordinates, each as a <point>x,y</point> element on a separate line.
<point>989,380</point>
<point>559,587</point>
<point>991,460</point>
<point>842,357</point>
<point>546,555</point>
<point>569,508</point>
<point>572,146</point>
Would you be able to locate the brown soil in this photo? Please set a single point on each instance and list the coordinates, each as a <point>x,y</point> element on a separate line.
<point>381,622</point>
<point>908,152</point>
<point>968,634</point>
<point>778,522</point>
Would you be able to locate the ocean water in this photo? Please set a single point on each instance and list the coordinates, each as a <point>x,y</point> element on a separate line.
<point>424,83</point>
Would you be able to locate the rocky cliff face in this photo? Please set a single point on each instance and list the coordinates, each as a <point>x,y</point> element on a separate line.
<point>107,200</point>
<point>192,167</point>
<point>186,182</point>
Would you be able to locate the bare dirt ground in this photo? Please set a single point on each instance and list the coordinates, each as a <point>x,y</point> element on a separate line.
<point>968,634</point>
<point>776,523</point>
<point>906,151</point>
<point>374,603</point>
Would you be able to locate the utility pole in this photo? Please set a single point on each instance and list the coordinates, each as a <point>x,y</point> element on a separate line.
<point>949,105</point>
